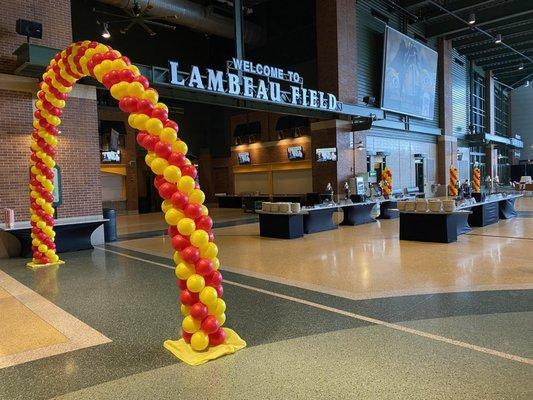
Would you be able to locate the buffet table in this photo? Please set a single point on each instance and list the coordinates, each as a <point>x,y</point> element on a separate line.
<point>320,218</point>
<point>358,213</point>
<point>491,211</point>
<point>281,226</point>
<point>440,227</point>
<point>229,201</point>
<point>388,209</point>
<point>72,234</point>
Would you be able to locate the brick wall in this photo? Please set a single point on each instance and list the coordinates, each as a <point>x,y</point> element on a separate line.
<point>53,14</point>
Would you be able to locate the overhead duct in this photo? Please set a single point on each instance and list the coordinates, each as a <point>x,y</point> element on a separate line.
<point>195,16</point>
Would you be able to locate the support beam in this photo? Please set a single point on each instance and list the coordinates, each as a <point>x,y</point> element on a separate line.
<point>503,53</point>
<point>493,63</point>
<point>238,21</point>
<point>493,28</point>
<point>491,47</point>
<point>484,17</point>
<point>490,121</point>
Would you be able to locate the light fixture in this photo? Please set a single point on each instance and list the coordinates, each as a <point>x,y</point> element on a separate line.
<point>471,19</point>
<point>498,39</point>
<point>360,145</point>
<point>106,34</point>
<point>527,84</point>
<point>521,66</point>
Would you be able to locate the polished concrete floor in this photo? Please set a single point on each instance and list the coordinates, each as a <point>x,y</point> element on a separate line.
<point>352,313</point>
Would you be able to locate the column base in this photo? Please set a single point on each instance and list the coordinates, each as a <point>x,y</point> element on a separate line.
<point>185,353</point>
<point>33,265</point>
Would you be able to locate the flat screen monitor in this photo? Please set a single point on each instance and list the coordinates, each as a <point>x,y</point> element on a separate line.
<point>409,76</point>
<point>295,153</point>
<point>326,154</point>
<point>244,158</point>
<point>110,157</point>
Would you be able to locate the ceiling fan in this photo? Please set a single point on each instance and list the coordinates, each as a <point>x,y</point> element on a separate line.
<point>135,15</point>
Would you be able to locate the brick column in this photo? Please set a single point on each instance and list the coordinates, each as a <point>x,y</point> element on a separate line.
<point>447,143</point>
<point>491,160</point>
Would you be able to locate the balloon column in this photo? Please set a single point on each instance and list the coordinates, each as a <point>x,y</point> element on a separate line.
<point>386,182</point>
<point>190,226</point>
<point>476,180</point>
<point>453,182</point>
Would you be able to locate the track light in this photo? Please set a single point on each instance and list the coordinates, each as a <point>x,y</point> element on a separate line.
<point>527,84</point>
<point>106,34</point>
<point>360,145</point>
<point>498,39</point>
<point>471,19</point>
<point>520,66</point>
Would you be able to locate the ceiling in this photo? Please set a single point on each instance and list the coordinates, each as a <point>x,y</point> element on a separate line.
<point>513,19</point>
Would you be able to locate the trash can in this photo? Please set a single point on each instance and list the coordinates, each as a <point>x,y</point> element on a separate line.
<point>110,227</point>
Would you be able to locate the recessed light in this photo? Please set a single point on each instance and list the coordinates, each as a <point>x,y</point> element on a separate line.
<point>521,66</point>
<point>471,19</point>
<point>498,39</point>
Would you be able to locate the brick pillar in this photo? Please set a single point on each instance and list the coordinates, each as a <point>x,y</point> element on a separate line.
<point>337,48</point>
<point>447,143</point>
<point>490,123</point>
<point>491,160</point>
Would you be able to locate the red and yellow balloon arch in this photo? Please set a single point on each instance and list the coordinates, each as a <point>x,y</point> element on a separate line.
<point>190,227</point>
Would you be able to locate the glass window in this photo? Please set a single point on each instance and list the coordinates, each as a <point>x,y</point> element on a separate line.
<point>477,110</point>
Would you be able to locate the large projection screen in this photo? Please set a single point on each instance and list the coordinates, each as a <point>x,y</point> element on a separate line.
<point>409,76</point>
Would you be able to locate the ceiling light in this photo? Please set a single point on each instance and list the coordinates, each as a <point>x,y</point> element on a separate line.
<point>498,39</point>
<point>472,19</point>
<point>527,84</point>
<point>106,34</point>
<point>521,66</point>
<point>360,145</point>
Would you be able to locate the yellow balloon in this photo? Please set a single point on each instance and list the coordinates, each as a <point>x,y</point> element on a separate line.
<point>49,253</point>
<point>177,257</point>
<point>199,238</point>
<point>54,258</point>
<point>185,310</point>
<point>205,210</point>
<point>209,251</point>
<point>199,341</point>
<point>158,165</point>
<point>217,308</point>
<point>197,196</point>
<point>161,105</point>
<point>135,89</point>
<point>166,205</point>
<point>172,174</point>
<point>180,147</point>
<point>174,216</point>
<point>190,325</point>
<point>195,283</point>
<point>140,121</point>
<point>40,201</point>
<point>35,242</point>
<point>184,270</point>
<point>119,90</point>
<point>41,225</point>
<point>186,184</point>
<point>208,295</point>
<point>154,126</point>
<point>149,157</point>
<point>221,318</point>
<point>168,135</point>
<point>186,226</point>
<point>150,94</point>
<point>131,119</point>
<point>43,248</point>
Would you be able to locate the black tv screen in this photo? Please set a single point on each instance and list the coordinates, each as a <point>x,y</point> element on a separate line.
<point>244,158</point>
<point>295,153</point>
<point>409,76</point>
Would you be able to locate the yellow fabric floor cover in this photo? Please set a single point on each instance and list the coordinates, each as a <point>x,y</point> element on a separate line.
<point>33,265</point>
<point>186,354</point>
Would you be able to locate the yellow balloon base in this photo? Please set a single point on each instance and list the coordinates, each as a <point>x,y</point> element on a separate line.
<point>33,265</point>
<point>185,353</point>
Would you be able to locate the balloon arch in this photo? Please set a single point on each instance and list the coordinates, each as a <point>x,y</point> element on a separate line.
<point>190,226</point>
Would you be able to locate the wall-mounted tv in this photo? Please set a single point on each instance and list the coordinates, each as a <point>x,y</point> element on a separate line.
<point>110,157</point>
<point>326,154</point>
<point>244,158</point>
<point>409,76</point>
<point>295,153</point>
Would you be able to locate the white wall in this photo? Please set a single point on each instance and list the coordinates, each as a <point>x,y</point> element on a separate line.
<point>401,159</point>
<point>252,182</point>
<point>522,118</point>
<point>293,182</point>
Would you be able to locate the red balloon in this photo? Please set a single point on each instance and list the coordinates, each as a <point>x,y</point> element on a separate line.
<point>145,106</point>
<point>199,311</point>
<point>180,242</point>
<point>186,336</point>
<point>220,291</point>
<point>177,159</point>
<point>128,104</point>
<point>211,236</point>
<point>204,222</point>
<point>44,260</point>
<point>109,55</point>
<point>50,244</point>
<point>172,124</point>
<point>188,298</point>
<point>159,180</point>
<point>37,254</point>
<point>210,324</point>
<point>42,236</point>
<point>214,279</point>
<point>193,211</point>
<point>204,267</point>
<point>140,137</point>
<point>190,254</point>
<point>182,283</point>
<point>217,338</point>
<point>49,173</point>
<point>160,113</point>
<point>179,200</point>
<point>189,170</point>
<point>35,230</point>
<point>167,189</point>
<point>143,81</point>
<point>126,75</point>
<point>172,231</point>
<point>162,149</point>
<point>150,141</point>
